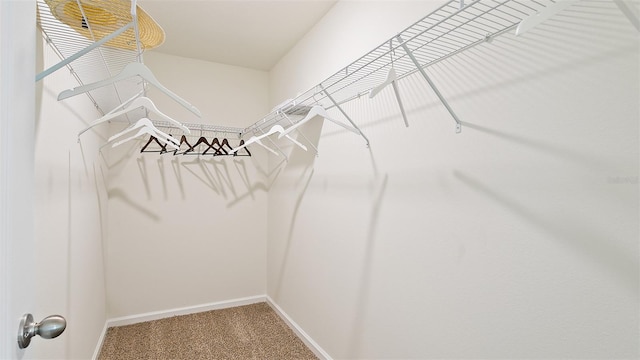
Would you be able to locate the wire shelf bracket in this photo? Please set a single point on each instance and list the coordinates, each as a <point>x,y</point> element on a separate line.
<point>83,52</point>
<point>345,114</point>
<point>431,83</point>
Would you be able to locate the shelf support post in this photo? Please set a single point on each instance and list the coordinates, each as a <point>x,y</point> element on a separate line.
<point>343,113</point>
<point>430,82</point>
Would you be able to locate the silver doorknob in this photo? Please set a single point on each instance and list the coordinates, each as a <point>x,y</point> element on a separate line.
<point>49,328</point>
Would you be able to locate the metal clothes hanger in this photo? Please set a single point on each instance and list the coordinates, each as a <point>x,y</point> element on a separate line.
<point>130,70</point>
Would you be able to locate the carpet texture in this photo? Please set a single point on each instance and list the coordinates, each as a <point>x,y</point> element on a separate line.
<point>245,332</point>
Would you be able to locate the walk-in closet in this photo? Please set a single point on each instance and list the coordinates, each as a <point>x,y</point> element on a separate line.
<point>331,179</point>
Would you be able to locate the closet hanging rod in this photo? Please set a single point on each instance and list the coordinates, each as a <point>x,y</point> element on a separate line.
<point>200,127</point>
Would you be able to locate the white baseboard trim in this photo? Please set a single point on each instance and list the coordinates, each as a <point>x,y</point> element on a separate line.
<point>96,352</point>
<point>157,315</point>
<point>313,346</point>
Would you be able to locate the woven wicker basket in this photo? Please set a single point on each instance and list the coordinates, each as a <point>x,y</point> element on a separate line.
<point>96,19</point>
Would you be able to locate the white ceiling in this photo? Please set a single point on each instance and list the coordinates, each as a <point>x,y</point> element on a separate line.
<point>253,34</point>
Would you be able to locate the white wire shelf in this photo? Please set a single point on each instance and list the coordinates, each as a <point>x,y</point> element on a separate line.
<point>105,61</point>
<point>448,30</point>
<point>99,63</point>
<point>454,27</point>
<point>198,129</point>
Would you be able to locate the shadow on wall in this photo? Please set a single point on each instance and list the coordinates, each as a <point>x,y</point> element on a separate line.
<point>512,53</point>
<point>197,168</point>
<point>308,134</point>
<point>121,157</point>
<point>360,309</point>
<point>68,108</point>
<point>144,175</point>
<point>587,240</point>
<point>542,146</point>
<point>241,168</point>
<point>256,186</point>
<point>300,166</point>
<point>576,49</point>
<point>216,173</point>
<point>39,84</point>
<point>119,194</point>
<point>294,216</point>
<point>469,60</point>
<point>103,239</point>
<point>177,172</point>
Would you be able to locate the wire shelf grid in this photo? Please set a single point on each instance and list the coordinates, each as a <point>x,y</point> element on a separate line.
<point>448,30</point>
<point>99,63</point>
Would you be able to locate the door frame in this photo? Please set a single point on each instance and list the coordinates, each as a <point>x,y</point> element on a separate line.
<point>17,137</point>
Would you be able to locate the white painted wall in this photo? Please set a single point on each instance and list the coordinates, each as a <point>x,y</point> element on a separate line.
<point>186,231</point>
<point>348,31</point>
<point>70,216</point>
<point>516,239</point>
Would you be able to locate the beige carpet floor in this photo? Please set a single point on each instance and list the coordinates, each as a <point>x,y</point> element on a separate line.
<point>245,332</point>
